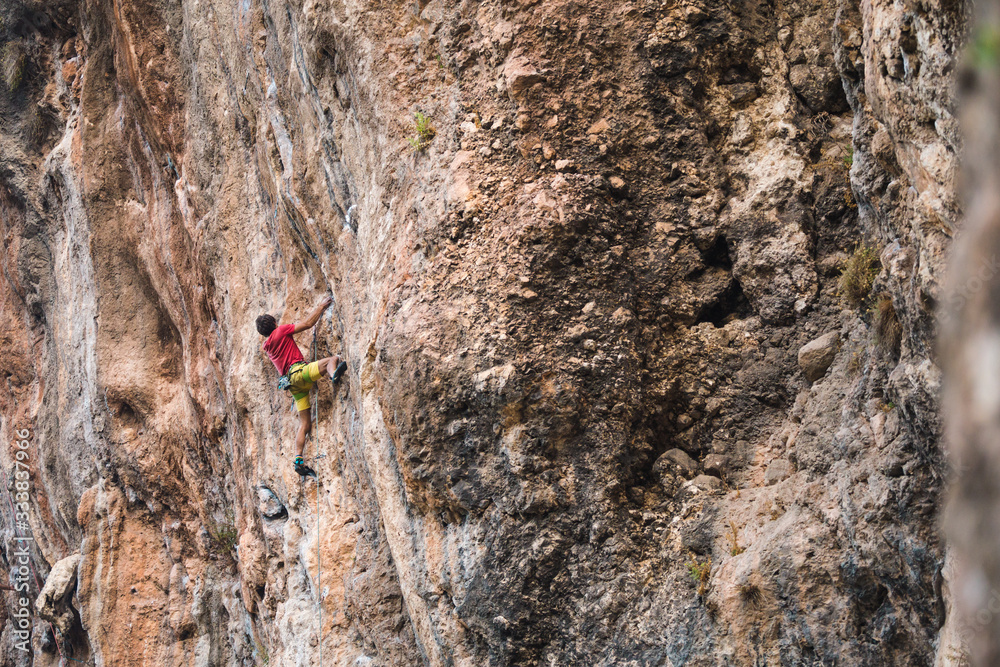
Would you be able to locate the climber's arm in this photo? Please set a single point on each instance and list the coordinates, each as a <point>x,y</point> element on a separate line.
<point>311,321</point>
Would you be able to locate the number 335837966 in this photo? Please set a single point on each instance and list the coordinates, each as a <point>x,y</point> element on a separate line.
<point>21,473</point>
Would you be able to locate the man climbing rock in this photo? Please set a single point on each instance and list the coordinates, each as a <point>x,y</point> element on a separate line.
<point>297,376</point>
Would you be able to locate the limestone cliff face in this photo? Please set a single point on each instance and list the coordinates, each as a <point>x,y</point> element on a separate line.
<point>575,428</point>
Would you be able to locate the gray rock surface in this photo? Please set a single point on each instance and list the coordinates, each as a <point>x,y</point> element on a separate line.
<point>708,483</point>
<point>677,461</point>
<point>53,603</point>
<point>778,470</point>
<point>716,464</point>
<point>817,355</point>
<point>270,506</point>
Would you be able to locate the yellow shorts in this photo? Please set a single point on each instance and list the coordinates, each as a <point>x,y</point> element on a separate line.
<point>302,376</point>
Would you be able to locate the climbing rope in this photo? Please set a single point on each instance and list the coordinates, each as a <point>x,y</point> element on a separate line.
<point>319,572</point>
<point>319,581</point>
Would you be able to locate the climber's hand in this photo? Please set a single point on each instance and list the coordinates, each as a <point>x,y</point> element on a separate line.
<point>316,314</point>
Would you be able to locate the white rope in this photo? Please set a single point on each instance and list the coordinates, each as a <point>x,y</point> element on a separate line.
<point>319,572</point>
<point>319,581</point>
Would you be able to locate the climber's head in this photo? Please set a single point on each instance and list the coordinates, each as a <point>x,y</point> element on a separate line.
<point>265,325</point>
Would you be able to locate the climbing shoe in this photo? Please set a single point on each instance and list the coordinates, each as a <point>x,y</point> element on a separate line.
<point>302,469</point>
<point>341,367</point>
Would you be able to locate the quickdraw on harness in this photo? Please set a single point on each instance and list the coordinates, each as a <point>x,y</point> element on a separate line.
<point>285,381</point>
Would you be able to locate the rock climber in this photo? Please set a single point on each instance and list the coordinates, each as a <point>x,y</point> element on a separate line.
<point>297,376</point>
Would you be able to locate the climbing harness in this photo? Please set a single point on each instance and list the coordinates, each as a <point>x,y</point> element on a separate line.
<point>285,381</point>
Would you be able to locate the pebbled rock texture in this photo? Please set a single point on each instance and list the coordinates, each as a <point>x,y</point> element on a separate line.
<point>607,244</point>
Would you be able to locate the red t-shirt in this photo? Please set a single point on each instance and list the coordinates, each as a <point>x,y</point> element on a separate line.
<point>281,348</point>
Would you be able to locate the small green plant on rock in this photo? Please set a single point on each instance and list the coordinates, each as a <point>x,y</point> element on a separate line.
<point>700,571</point>
<point>858,276</point>
<point>848,156</point>
<point>425,132</point>
<point>224,535</point>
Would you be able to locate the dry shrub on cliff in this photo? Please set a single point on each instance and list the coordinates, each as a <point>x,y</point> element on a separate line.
<point>734,540</point>
<point>849,199</point>
<point>858,275</point>
<point>888,330</point>
<point>12,63</point>
<point>37,125</point>
<point>752,595</point>
<point>856,363</point>
<point>262,652</point>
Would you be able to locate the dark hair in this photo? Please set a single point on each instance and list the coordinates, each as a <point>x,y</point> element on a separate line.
<point>265,325</point>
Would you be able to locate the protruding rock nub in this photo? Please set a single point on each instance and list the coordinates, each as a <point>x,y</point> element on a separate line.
<point>817,355</point>
<point>270,507</point>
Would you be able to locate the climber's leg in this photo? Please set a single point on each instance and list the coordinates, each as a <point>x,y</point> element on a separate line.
<point>333,367</point>
<point>302,380</point>
<point>305,428</point>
